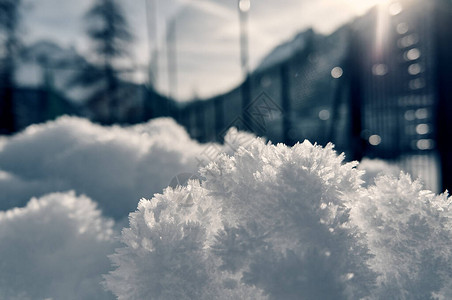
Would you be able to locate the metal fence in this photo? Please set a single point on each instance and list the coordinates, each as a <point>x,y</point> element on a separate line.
<point>371,98</point>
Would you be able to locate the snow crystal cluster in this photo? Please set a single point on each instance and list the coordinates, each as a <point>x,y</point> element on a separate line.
<point>408,231</point>
<point>273,222</point>
<point>55,247</point>
<point>115,166</point>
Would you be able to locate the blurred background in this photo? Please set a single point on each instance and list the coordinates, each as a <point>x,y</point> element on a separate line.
<point>373,77</point>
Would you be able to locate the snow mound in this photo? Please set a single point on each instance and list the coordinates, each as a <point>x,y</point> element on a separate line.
<point>165,255</point>
<point>409,233</point>
<point>115,166</point>
<point>55,247</point>
<point>273,222</point>
<point>269,222</point>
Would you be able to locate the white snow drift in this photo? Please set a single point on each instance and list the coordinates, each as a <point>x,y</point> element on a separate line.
<point>115,166</point>
<point>286,223</point>
<point>55,247</point>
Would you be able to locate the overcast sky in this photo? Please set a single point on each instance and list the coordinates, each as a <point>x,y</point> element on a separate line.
<point>207,33</point>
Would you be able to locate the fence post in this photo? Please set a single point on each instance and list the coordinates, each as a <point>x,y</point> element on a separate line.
<point>7,120</point>
<point>219,117</point>
<point>443,47</point>
<point>285,103</point>
<point>354,68</point>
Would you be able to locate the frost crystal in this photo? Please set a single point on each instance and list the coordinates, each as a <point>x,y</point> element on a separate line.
<point>287,223</point>
<point>254,226</point>
<point>409,232</point>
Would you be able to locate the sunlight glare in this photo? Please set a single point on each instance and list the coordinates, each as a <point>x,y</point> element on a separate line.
<point>395,8</point>
<point>386,9</point>
<point>382,28</point>
<point>361,6</point>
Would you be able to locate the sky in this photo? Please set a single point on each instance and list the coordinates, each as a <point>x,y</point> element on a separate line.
<point>206,34</point>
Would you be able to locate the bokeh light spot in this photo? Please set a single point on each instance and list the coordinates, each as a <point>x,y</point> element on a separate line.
<point>337,72</point>
<point>408,41</point>
<point>324,114</point>
<point>422,128</point>
<point>417,84</point>
<point>402,28</point>
<point>421,113</point>
<point>379,69</point>
<point>410,115</point>
<point>244,5</point>
<point>412,54</point>
<point>414,69</point>
<point>375,140</point>
<point>425,144</point>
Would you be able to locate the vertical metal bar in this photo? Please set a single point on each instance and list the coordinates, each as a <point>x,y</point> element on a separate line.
<point>243,8</point>
<point>355,80</point>
<point>171,48</point>
<point>443,48</point>
<point>219,117</point>
<point>285,103</point>
<point>152,25</point>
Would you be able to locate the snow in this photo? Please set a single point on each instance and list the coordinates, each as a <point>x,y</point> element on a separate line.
<point>55,247</point>
<point>276,222</point>
<point>375,167</point>
<point>165,257</point>
<point>409,233</point>
<point>253,222</point>
<point>115,166</point>
<point>258,221</point>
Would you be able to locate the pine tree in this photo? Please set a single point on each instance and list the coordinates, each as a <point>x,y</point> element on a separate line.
<point>109,32</point>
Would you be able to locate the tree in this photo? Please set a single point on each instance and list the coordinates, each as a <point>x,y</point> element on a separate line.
<point>9,25</point>
<point>109,32</point>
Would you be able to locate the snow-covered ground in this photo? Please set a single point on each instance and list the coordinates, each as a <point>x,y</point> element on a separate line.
<point>261,221</point>
<point>115,166</point>
<point>55,247</point>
